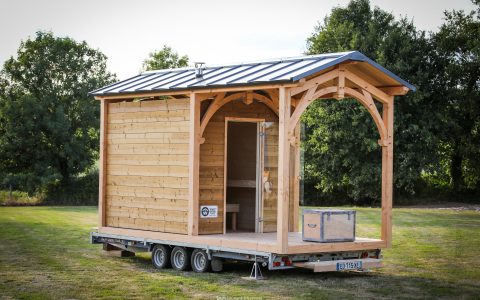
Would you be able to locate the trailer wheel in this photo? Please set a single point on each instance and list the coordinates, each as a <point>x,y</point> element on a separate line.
<point>180,258</point>
<point>216,264</point>
<point>161,256</point>
<point>200,263</point>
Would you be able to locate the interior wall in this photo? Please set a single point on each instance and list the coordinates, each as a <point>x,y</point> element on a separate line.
<point>242,167</point>
<point>212,158</point>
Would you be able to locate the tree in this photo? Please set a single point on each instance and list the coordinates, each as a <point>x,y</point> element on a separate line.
<point>457,84</point>
<point>342,153</point>
<point>49,126</point>
<point>164,59</point>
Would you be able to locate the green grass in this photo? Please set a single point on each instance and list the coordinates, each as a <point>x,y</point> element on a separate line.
<point>45,253</point>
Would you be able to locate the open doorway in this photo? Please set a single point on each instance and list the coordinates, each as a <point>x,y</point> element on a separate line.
<point>242,204</point>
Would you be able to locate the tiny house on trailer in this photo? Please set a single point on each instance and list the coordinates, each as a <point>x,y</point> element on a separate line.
<point>199,165</point>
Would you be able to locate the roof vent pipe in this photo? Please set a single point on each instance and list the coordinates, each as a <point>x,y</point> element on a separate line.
<point>199,67</point>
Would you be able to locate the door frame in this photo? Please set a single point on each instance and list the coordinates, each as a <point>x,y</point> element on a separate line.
<point>225,162</point>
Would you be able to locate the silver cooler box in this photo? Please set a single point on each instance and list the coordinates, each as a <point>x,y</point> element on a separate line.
<point>327,226</point>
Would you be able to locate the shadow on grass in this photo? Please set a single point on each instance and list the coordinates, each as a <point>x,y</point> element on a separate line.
<point>304,283</point>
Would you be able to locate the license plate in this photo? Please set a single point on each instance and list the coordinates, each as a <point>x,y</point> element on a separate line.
<point>350,265</point>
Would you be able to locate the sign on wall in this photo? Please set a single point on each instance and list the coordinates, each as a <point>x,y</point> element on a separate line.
<point>209,211</point>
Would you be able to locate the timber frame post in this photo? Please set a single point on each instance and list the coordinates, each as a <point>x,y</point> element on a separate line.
<point>102,162</point>
<point>387,174</point>
<point>283,169</point>
<point>194,165</point>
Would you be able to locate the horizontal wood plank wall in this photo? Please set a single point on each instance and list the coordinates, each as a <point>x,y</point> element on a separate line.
<point>147,165</point>
<point>212,158</point>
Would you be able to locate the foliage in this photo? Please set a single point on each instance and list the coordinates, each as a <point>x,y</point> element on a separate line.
<point>164,59</point>
<point>48,123</point>
<point>81,190</point>
<point>456,89</point>
<point>342,153</point>
<point>17,198</point>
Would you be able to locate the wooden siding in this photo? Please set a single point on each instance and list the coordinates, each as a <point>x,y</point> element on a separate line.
<point>147,165</point>
<point>212,159</point>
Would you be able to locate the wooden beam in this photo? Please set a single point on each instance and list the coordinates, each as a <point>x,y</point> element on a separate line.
<point>315,82</point>
<point>140,95</point>
<point>377,93</point>
<point>341,82</point>
<point>194,165</point>
<point>395,90</point>
<point>283,171</point>
<point>102,163</point>
<point>248,98</point>
<point>387,174</point>
<point>203,97</point>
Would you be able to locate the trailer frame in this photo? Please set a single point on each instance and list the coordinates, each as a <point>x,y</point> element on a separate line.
<point>274,261</point>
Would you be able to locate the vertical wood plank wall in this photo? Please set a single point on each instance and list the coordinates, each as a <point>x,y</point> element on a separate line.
<point>212,159</point>
<point>147,165</point>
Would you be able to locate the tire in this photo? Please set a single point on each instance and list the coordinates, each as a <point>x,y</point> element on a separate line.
<point>180,258</point>
<point>216,264</point>
<point>161,256</point>
<point>199,261</point>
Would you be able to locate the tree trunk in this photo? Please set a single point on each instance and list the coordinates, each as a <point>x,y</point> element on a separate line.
<point>64,172</point>
<point>456,175</point>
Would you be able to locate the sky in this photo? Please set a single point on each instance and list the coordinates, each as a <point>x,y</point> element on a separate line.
<point>215,32</point>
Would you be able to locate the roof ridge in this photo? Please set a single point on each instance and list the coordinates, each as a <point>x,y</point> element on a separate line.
<point>260,61</point>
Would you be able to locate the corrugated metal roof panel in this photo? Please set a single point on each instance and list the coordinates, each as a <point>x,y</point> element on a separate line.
<point>260,72</point>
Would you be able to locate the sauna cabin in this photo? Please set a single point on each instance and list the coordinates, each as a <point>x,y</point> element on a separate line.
<point>211,154</point>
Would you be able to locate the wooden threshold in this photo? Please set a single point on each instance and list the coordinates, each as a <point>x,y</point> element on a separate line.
<point>259,242</point>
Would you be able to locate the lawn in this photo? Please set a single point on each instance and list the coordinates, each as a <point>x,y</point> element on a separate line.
<point>45,253</point>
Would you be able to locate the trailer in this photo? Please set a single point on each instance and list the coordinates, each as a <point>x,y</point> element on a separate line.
<point>201,165</point>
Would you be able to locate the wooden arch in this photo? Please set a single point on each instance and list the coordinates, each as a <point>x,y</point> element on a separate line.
<point>220,100</point>
<point>340,82</point>
<point>340,91</point>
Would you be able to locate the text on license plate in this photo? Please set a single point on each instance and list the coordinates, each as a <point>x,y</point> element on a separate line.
<point>350,265</point>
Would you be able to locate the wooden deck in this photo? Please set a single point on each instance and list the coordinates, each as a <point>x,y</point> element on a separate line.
<point>258,242</point>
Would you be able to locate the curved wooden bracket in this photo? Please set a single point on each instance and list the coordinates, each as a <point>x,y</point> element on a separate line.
<point>214,106</point>
<point>220,100</point>
<point>367,101</point>
<point>308,98</point>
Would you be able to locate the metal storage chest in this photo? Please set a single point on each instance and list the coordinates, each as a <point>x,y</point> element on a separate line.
<point>328,225</point>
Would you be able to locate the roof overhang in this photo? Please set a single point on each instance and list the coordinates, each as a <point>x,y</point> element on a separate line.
<point>253,75</point>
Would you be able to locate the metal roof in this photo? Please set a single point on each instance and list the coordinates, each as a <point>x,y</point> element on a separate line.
<point>252,73</point>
